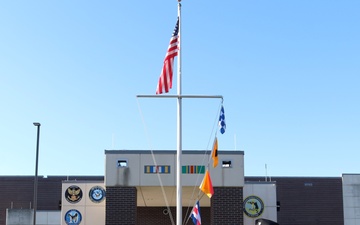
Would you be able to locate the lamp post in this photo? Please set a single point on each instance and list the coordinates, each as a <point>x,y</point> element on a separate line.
<point>36,170</point>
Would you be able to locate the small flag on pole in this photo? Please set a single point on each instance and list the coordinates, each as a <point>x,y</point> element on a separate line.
<point>195,214</point>
<point>222,124</point>
<point>214,154</point>
<point>206,185</point>
<point>165,80</point>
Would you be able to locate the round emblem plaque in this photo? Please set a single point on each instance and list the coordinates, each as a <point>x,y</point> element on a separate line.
<point>73,194</point>
<point>253,206</point>
<point>73,217</point>
<point>97,194</point>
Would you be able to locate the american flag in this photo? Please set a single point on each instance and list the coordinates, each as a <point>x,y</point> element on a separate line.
<point>195,214</point>
<point>165,80</point>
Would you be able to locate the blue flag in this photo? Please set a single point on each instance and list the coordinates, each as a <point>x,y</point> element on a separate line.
<point>222,124</point>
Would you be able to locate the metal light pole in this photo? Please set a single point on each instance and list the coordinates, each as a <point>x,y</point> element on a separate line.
<point>36,170</point>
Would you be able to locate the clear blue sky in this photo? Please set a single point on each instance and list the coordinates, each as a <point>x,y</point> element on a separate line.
<point>289,72</point>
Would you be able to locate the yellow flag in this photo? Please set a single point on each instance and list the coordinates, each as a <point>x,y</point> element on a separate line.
<point>206,185</point>
<point>214,153</point>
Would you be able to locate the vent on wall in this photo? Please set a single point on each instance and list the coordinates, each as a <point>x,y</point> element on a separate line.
<point>226,164</point>
<point>122,163</point>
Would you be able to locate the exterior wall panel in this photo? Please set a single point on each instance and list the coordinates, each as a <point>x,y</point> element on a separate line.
<point>18,192</point>
<point>91,210</point>
<point>308,200</point>
<point>351,198</point>
<point>133,174</point>
<point>264,194</point>
<point>303,200</point>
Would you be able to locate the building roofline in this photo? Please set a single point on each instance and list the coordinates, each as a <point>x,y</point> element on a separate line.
<point>260,182</point>
<point>184,152</point>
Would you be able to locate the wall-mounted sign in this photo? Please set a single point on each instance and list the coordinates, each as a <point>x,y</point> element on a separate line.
<point>97,194</point>
<point>156,169</point>
<point>193,169</point>
<point>73,217</point>
<point>73,194</point>
<point>253,206</point>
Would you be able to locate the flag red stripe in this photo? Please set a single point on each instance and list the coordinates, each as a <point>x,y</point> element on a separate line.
<point>166,76</point>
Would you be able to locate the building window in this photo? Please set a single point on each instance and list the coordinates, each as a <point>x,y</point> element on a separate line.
<point>122,163</point>
<point>226,164</point>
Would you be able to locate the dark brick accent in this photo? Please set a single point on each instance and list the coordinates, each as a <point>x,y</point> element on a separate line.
<point>121,206</point>
<point>303,200</point>
<point>18,192</point>
<point>227,206</point>
<point>308,200</point>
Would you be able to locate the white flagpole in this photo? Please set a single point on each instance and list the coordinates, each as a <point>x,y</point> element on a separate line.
<point>179,129</point>
<point>179,97</point>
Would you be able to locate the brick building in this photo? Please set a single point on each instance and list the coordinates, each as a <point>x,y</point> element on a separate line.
<point>300,200</point>
<point>137,181</point>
